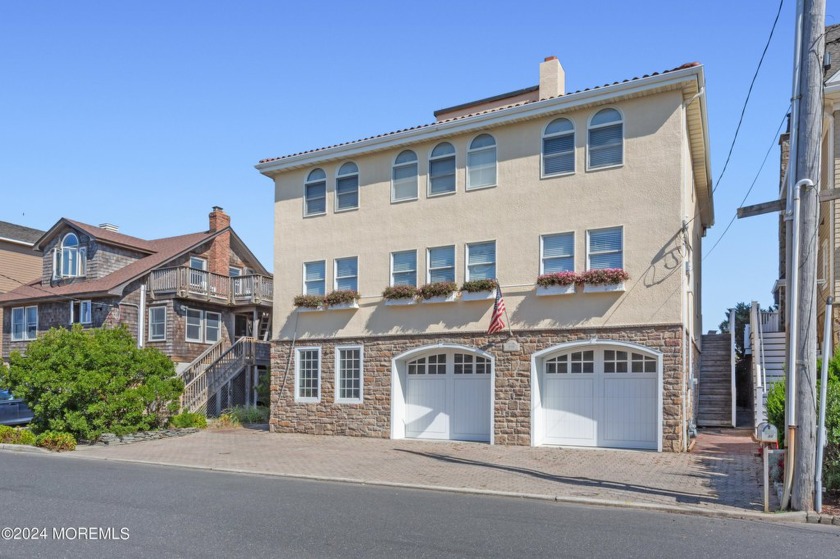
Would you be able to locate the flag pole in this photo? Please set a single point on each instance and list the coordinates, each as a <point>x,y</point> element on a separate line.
<point>510,331</point>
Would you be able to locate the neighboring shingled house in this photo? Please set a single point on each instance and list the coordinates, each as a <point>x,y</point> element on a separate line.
<point>191,296</point>
<point>20,263</point>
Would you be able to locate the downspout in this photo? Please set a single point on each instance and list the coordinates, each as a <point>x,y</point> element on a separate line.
<point>141,317</point>
<point>793,296</point>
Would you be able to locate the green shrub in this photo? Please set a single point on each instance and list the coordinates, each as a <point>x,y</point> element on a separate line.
<point>89,382</point>
<point>342,297</point>
<point>776,409</point>
<point>11,435</point>
<point>226,420</point>
<point>248,414</point>
<point>188,419</point>
<point>477,286</point>
<point>437,289</point>
<point>395,292</point>
<point>57,441</point>
<point>309,301</point>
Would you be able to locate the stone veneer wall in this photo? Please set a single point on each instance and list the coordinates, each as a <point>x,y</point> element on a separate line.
<point>512,422</point>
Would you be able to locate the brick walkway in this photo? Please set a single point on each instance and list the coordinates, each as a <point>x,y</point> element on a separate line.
<point>720,474</point>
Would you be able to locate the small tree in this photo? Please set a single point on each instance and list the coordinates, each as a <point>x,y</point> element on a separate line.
<point>88,382</point>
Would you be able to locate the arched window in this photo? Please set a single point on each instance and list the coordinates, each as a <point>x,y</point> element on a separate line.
<point>72,257</point>
<point>442,169</point>
<point>481,162</point>
<point>558,148</point>
<point>404,177</point>
<point>315,193</point>
<point>347,187</point>
<point>606,139</point>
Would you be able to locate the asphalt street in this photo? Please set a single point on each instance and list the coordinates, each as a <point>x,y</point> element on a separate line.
<point>154,511</point>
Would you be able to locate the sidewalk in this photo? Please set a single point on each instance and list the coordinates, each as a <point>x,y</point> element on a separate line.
<point>720,477</point>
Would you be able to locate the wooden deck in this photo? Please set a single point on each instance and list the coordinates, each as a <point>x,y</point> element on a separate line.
<point>189,283</point>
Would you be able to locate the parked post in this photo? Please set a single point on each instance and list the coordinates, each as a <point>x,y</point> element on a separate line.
<point>821,434</point>
<point>732,365</point>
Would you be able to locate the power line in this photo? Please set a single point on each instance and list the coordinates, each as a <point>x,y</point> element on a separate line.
<point>747,100</point>
<point>749,190</point>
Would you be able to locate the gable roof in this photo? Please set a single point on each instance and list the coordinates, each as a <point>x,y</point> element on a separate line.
<point>19,234</point>
<point>98,233</point>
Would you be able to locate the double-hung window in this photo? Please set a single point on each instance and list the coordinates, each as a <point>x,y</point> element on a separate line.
<point>605,248</point>
<point>157,324</point>
<point>481,162</point>
<point>194,322</point>
<point>606,139</point>
<point>558,148</point>
<point>80,312</point>
<point>404,177</point>
<point>442,169</point>
<point>404,268</point>
<point>441,264</point>
<point>308,374</point>
<point>70,260</point>
<point>557,253</point>
<point>202,326</point>
<point>346,274</point>
<point>347,187</point>
<point>315,193</point>
<point>481,261</point>
<point>349,374</point>
<point>315,278</point>
<point>24,323</point>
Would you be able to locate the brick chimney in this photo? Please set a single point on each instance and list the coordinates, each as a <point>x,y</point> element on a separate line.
<point>219,253</point>
<point>552,78</point>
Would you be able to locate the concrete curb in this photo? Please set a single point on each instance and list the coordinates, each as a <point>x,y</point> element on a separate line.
<point>23,448</point>
<point>587,501</point>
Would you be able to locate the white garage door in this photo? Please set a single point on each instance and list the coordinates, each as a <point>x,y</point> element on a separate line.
<point>600,397</point>
<point>448,397</point>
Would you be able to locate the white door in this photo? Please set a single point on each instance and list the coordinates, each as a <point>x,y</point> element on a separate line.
<point>448,396</point>
<point>600,397</point>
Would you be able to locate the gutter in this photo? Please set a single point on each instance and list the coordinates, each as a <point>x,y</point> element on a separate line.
<point>17,242</point>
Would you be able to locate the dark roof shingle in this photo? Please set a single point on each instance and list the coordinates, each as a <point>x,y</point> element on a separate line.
<point>19,233</point>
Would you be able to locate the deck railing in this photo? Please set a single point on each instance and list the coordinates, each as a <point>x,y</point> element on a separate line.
<point>770,321</point>
<point>200,284</point>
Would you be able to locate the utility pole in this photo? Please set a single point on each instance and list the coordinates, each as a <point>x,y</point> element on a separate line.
<point>808,150</point>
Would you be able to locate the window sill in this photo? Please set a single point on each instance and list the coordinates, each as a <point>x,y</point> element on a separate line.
<point>608,288</point>
<point>403,200</point>
<point>478,295</point>
<point>483,187</point>
<point>314,215</point>
<point>345,210</point>
<point>604,168</point>
<point>350,402</point>
<point>439,194</point>
<point>400,302</point>
<point>441,299</point>
<point>552,290</point>
<point>307,400</point>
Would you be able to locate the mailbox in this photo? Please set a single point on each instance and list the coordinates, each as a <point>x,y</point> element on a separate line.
<point>767,433</point>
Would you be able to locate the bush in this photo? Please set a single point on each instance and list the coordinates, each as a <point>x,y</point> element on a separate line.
<point>558,278</point>
<point>226,420</point>
<point>477,286</point>
<point>89,382</point>
<point>607,276</point>
<point>188,419</point>
<point>437,289</point>
<point>248,414</point>
<point>400,292</point>
<point>776,409</point>
<point>55,440</point>
<point>342,297</point>
<point>10,435</point>
<point>309,301</point>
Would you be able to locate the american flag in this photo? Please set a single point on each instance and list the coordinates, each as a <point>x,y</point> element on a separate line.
<point>496,322</point>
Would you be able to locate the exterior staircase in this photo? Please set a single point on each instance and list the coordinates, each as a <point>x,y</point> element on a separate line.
<point>715,382</point>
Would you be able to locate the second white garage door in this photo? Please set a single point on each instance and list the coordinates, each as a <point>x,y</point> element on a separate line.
<point>448,396</point>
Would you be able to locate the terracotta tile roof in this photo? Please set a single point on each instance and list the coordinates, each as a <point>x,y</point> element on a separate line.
<point>163,250</point>
<point>19,233</point>
<point>436,123</point>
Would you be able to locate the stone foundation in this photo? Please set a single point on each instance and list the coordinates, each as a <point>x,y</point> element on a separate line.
<point>512,414</point>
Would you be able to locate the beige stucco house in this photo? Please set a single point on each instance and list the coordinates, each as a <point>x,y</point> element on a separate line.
<point>539,182</point>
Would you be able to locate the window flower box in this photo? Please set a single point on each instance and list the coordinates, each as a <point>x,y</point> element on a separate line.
<point>342,300</point>
<point>309,303</point>
<point>400,295</point>
<point>439,292</point>
<point>603,288</point>
<point>478,290</point>
<point>550,290</point>
<point>609,280</point>
<point>558,283</point>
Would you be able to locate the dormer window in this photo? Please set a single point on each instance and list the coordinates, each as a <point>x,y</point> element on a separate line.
<point>71,259</point>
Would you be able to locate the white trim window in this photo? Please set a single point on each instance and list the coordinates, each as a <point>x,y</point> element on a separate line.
<point>195,318</point>
<point>404,175</point>
<point>203,326</point>
<point>558,148</point>
<point>24,323</point>
<point>349,371</point>
<point>557,253</point>
<point>80,312</point>
<point>605,147</point>
<point>315,278</point>
<point>440,262</point>
<point>347,187</point>
<point>212,327</point>
<point>346,274</point>
<point>442,170</point>
<point>605,248</point>
<point>73,257</point>
<point>404,268</point>
<point>308,374</point>
<point>481,261</point>
<point>157,324</point>
<point>315,193</point>
<point>234,271</point>
<point>481,162</point>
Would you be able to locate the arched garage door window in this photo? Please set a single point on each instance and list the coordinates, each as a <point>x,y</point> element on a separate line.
<point>606,396</point>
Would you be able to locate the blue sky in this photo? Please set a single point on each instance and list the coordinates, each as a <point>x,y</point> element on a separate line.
<point>146,114</point>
